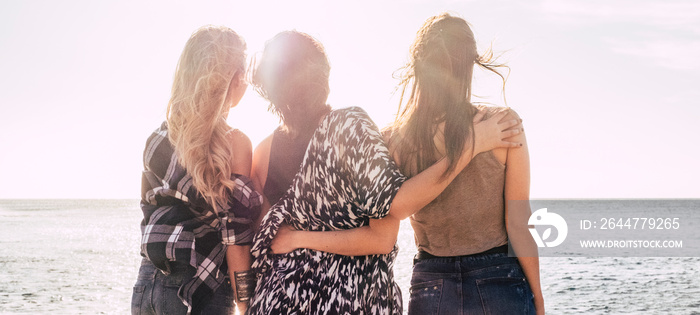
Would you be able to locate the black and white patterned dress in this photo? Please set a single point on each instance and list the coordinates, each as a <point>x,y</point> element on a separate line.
<point>346,178</point>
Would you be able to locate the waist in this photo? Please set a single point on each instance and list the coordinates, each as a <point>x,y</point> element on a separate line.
<point>422,255</point>
<point>452,231</point>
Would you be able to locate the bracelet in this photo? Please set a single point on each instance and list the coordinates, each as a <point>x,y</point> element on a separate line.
<point>245,285</point>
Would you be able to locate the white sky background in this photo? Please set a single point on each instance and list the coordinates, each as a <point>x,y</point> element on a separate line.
<point>608,89</point>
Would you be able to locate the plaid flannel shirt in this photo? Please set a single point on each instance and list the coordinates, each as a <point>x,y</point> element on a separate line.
<point>180,226</point>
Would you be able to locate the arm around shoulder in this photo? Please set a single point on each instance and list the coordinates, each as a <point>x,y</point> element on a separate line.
<point>497,131</point>
<point>379,237</point>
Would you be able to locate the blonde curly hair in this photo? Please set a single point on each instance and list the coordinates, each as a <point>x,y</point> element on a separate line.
<point>198,108</point>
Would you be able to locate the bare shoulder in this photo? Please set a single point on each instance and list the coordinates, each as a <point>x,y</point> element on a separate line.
<point>494,110</point>
<point>242,150</point>
<point>501,154</point>
<point>262,150</point>
<point>240,142</point>
<point>512,114</point>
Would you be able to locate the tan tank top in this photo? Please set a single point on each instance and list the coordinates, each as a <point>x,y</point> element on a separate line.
<point>468,217</point>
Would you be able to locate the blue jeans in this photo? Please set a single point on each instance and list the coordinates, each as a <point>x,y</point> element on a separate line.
<point>475,284</point>
<point>156,294</point>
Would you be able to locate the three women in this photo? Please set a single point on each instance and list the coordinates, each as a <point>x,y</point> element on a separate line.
<point>328,243</point>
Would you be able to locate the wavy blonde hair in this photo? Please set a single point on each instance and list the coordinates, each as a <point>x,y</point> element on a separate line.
<point>198,108</point>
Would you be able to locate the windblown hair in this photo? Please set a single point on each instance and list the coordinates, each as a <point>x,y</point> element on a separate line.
<point>437,79</point>
<point>198,108</point>
<point>292,74</point>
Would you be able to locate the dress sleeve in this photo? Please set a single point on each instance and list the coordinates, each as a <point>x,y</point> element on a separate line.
<point>240,213</point>
<point>376,178</point>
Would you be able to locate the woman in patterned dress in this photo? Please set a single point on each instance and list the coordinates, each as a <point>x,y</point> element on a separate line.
<point>462,266</point>
<point>343,178</point>
<point>197,199</point>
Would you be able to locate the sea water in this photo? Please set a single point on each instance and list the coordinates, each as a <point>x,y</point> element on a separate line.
<point>82,257</point>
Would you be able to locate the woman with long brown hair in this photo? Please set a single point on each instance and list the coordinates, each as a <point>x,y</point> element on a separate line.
<point>197,199</point>
<point>462,266</point>
<point>329,170</point>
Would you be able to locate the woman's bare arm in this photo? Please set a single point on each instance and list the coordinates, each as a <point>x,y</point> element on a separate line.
<point>517,196</point>
<point>378,237</point>
<point>238,257</point>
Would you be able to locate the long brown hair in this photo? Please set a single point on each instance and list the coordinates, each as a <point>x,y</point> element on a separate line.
<point>292,74</point>
<point>436,87</point>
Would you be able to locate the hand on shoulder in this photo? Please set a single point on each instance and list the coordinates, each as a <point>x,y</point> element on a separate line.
<point>490,111</point>
<point>497,129</point>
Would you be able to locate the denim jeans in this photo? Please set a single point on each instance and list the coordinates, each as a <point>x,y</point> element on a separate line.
<point>156,294</point>
<point>475,284</point>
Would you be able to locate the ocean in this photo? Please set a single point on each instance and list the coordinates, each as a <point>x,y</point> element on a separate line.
<point>82,257</point>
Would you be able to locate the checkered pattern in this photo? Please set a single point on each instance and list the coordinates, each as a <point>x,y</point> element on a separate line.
<point>180,226</point>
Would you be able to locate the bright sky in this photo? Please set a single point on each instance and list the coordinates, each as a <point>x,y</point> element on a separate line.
<point>608,89</point>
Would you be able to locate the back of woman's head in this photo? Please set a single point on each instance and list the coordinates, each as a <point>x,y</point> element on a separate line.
<point>198,108</point>
<point>292,74</point>
<point>442,60</point>
<point>436,88</point>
